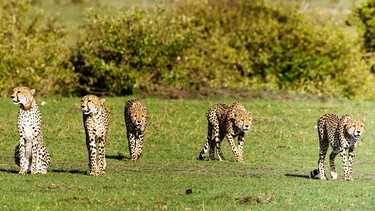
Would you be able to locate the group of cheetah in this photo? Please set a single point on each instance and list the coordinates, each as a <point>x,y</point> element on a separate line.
<point>223,121</point>
<point>32,156</point>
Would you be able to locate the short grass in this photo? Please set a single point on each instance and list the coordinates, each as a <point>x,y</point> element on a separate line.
<point>280,151</point>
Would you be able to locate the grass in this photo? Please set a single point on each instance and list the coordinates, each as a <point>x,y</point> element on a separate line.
<point>71,14</point>
<point>279,152</point>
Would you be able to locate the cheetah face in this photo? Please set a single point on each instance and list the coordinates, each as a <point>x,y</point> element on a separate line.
<point>90,104</point>
<point>355,128</point>
<point>243,121</point>
<point>22,95</point>
<point>138,118</point>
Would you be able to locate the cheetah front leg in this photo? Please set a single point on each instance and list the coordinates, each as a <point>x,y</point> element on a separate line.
<point>241,141</point>
<point>91,147</point>
<point>132,146</point>
<point>351,156</point>
<point>344,163</point>
<point>139,145</point>
<point>101,158</point>
<point>34,156</point>
<point>43,160</point>
<point>235,151</point>
<point>22,157</point>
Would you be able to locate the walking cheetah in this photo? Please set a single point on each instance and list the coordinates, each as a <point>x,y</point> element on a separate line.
<point>30,154</point>
<point>341,134</point>
<point>226,121</point>
<point>135,115</point>
<point>96,122</point>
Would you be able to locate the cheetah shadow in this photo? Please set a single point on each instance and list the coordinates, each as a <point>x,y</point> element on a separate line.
<point>12,171</point>
<point>119,156</point>
<point>69,171</point>
<point>299,176</point>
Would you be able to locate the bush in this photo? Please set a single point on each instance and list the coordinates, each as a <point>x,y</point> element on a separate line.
<point>366,14</point>
<point>217,43</point>
<point>32,52</point>
<point>186,46</point>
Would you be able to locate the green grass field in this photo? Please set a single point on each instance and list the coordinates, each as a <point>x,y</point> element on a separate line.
<point>279,152</point>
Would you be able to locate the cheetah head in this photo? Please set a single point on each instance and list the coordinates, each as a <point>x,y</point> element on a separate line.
<point>138,117</point>
<point>355,128</point>
<point>24,96</point>
<point>243,120</point>
<point>90,104</point>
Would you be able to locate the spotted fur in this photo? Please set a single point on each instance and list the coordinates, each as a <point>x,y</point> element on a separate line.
<point>230,122</point>
<point>135,115</point>
<point>96,123</point>
<point>30,153</point>
<point>342,134</point>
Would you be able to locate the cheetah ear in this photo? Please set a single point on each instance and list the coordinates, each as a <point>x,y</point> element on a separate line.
<point>102,101</point>
<point>32,92</point>
<point>232,114</point>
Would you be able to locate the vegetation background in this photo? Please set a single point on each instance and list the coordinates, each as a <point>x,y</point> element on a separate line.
<point>116,48</point>
<point>288,62</point>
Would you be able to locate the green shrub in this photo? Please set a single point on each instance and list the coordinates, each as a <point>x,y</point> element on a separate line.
<point>115,52</point>
<point>32,52</point>
<point>218,43</point>
<point>366,14</point>
<point>259,46</point>
<point>188,45</point>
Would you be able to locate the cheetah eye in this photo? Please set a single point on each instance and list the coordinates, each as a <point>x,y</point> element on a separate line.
<point>89,101</point>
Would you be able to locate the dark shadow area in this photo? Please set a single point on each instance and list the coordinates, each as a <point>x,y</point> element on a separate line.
<point>69,171</point>
<point>9,171</point>
<point>117,157</point>
<point>299,176</point>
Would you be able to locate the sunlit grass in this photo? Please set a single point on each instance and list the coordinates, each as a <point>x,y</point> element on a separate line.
<point>280,151</point>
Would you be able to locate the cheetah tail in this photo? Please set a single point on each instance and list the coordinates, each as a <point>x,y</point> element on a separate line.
<point>313,173</point>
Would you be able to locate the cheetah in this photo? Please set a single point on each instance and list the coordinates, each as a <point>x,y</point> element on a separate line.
<point>96,123</point>
<point>30,153</point>
<point>342,134</point>
<point>226,121</point>
<point>135,115</point>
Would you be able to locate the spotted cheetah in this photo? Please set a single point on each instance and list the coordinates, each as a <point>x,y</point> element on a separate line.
<point>341,133</point>
<point>96,123</point>
<point>30,154</point>
<point>135,115</point>
<point>226,121</point>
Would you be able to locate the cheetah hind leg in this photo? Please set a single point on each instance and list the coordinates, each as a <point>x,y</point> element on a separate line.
<point>202,154</point>
<point>17,160</point>
<point>332,165</point>
<point>17,155</point>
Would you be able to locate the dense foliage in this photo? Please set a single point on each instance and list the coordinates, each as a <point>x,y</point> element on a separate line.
<point>32,51</point>
<point>366,14</point>
<point>191,45</point>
